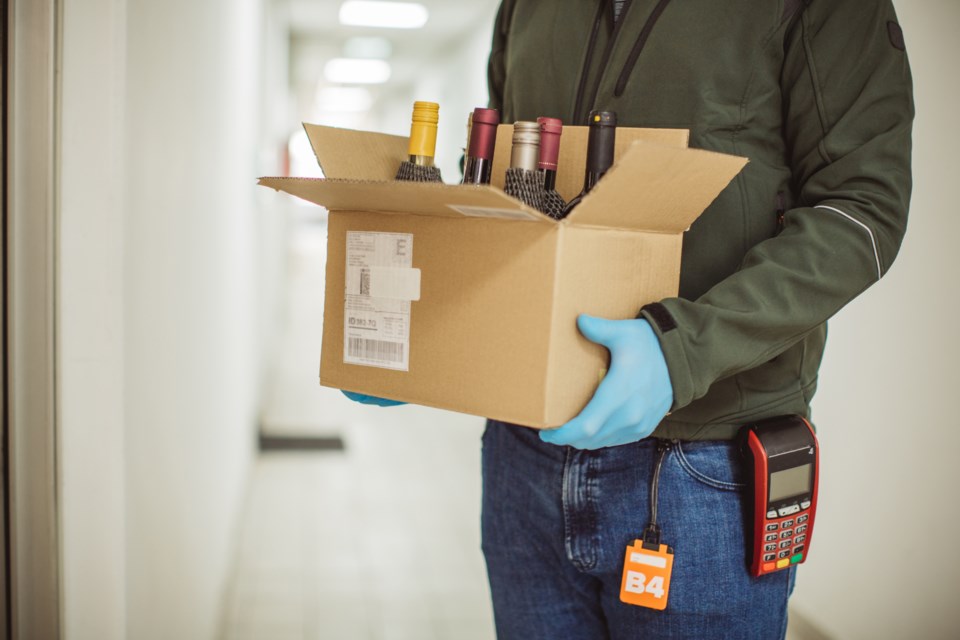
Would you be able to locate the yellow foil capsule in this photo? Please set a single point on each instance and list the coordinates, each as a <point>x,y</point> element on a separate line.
<point>423,132</point>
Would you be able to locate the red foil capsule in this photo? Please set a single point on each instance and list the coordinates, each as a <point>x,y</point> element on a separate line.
<point>483,134</point>
<point>550,130</point>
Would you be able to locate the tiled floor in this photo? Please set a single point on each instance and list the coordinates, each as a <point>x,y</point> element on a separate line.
<point>378,542</point>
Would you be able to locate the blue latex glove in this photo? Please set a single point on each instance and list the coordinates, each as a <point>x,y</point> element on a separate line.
<point>365,399</point>
<point>632,398</point>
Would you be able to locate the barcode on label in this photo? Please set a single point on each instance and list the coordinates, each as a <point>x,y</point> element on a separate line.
<point>376,350</point>
<point>365,284</point>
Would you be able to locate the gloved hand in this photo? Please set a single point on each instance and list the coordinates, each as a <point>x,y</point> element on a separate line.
<point>365,399</point>
<point>632,398</point>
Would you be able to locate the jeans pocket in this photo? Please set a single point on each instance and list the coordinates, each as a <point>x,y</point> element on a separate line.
<point>716,464</point>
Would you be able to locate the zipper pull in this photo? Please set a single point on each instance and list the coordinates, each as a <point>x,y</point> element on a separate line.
<point>781,207</point>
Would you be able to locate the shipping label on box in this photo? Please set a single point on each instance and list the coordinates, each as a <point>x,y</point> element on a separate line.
<point>379,286</point>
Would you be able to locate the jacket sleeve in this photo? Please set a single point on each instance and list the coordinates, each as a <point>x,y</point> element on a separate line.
<point>848,112</point>
<point>496,66</point>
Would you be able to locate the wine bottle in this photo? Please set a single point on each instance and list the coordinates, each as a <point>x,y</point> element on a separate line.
<point>522,181</point>
<point>600,145</point>
<point>423,143</point>
<point>550,131</point>
<point>483,140</point>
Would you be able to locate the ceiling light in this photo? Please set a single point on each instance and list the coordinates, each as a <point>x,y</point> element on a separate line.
<point>344,99</point>
<point>389,15</point>
<point>354,71</point>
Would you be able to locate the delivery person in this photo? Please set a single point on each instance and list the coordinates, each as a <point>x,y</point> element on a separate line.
<point>817,94</point>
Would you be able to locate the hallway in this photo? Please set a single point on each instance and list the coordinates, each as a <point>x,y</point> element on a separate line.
<point>379,541</point>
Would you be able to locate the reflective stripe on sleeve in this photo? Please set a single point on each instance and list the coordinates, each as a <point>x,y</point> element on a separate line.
<point>873,240</point>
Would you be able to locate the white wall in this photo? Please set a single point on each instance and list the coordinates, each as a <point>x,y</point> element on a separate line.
<point>191,357</point>
<point>883,563</point>
<point>160,333</point>
<point>276,113</point>
<point>91,321</point>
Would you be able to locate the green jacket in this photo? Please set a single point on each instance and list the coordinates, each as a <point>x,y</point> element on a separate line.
<point>817,94</point>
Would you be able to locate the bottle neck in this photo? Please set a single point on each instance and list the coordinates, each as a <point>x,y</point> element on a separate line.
<point>550,131</point>
<point>483,136</point>
<point>480,147</point>
<point>590,180</point>
<point>525,155</point>
<point>477,171</point>
<point>549,179</point>
<point>421,161</point>
<point>600,147</point>
<point>423,132</point>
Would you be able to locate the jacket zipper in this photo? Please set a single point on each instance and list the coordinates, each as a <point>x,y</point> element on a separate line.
<point>781,210</point>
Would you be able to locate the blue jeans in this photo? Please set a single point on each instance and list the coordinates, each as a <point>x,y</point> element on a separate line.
<point>557,520</point>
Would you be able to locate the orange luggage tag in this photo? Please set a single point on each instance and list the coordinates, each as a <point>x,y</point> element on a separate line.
<point>648,564</point>
<point>646,575</point>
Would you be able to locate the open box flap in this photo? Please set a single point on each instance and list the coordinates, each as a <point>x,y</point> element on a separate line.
<point>357,155</point>
<point>407,197</point>
<point>657,188</point>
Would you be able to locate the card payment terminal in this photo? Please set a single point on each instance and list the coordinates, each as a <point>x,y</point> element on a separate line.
<point>783,459</point>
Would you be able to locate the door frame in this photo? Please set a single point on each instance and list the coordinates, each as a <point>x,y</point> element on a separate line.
<point>4,430</point>
<point>30,408</point>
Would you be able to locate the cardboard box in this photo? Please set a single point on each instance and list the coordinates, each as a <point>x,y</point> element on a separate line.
<point>465,299</point>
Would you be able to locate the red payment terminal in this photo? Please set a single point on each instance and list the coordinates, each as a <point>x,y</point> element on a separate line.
<point>783,456</point>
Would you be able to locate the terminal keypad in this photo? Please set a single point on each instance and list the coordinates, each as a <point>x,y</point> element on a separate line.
<point>785,535</point>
